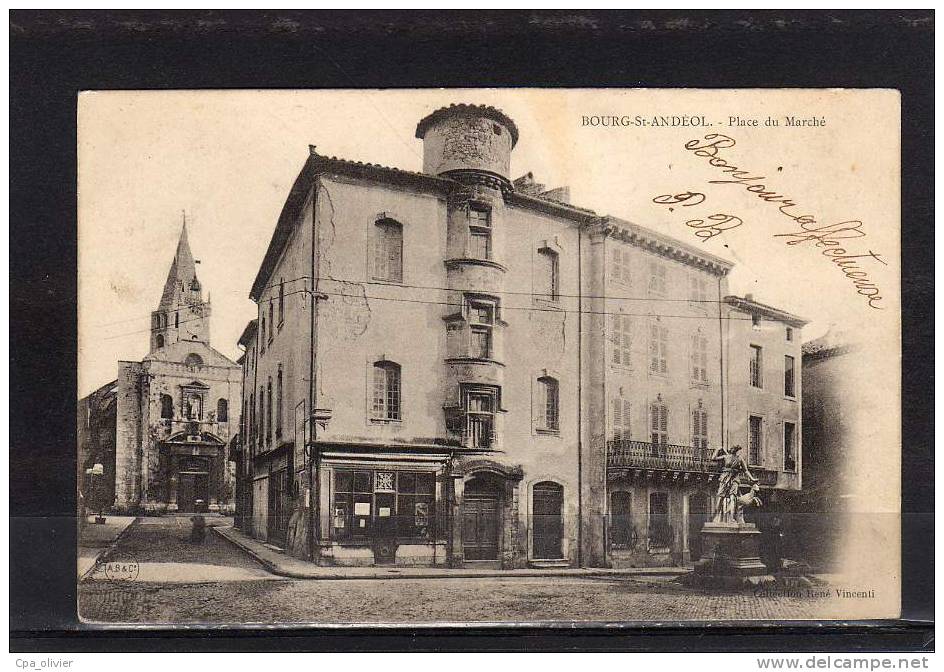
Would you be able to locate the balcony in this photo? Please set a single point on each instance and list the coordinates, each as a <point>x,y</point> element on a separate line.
<point>623,456</point>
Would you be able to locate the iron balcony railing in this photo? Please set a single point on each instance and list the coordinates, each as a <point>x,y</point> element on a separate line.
<point>626,453</point>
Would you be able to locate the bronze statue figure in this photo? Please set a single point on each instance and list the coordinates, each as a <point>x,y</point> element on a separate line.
<point>731,502</point>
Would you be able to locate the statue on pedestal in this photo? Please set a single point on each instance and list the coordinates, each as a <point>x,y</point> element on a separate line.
<point>731,502</point>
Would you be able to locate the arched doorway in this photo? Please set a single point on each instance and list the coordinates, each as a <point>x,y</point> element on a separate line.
<point>547,524</point>
<point>481,520</point>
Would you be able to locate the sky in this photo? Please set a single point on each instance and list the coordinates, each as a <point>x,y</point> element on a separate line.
<point>228,158</point>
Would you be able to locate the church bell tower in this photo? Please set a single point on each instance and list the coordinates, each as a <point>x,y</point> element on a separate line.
<point>182,314</point>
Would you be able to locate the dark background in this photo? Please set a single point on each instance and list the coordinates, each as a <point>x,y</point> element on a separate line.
<point>53,55</point>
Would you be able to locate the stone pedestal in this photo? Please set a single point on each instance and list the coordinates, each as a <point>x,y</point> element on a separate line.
<point>731,558</point>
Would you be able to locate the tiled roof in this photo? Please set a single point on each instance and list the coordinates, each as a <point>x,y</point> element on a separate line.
<point>456,109</point>
<point>751,306</point>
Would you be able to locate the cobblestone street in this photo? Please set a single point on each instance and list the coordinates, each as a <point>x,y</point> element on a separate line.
<point>215,583</point>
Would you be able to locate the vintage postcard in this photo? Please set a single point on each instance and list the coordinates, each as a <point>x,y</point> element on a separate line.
<point>488,356</point>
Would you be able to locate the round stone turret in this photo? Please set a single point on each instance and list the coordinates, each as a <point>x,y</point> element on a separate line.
<point>468,143</point>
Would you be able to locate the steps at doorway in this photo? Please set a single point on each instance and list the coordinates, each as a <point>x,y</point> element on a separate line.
<point>549,564</point>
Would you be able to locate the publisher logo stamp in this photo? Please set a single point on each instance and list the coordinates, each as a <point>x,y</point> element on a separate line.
<point>121,567</point>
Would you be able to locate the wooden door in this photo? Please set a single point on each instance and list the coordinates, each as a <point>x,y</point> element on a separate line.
<point>481,521</point>
<point>186,492</point>
<point>548,522</point>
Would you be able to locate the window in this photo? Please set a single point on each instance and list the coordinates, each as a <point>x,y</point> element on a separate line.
<point>176,320</point>
<point>699,357</point>
<point>700,427</point>
<point>481,342</point>
<point>755,440</point>
<point>481,317</point>
<point>368,500</point>
<point>278,403</point>
<point>622,532</point>
<point>480,232</point>
<point>622,340</point>
<point>480,404</point>
<point>194,406</point>
<point>548,270</point>
<point>251,430</point>
<point>789,447</point>
<point>657,275</point>
<point>385,398</point>
<point>281,301</point>
<point>269,412</point>
<point>549,400</point>
<point>388,251</point>
<point>262,333</point>
<point>160,340</point>
<point>697,289</point>
<point>222,410</point>
<point>660,532</point>
<point>790,333</point>
<point>262,423</point>
<point>271,320</point>
<point>193,360</point>
<point>757,366</point>
<point>658,346</point>
<point>621,419</point>
<point>659,415</point>
<point>755,321</point>
<point>789,373</point>
<point>167,407</point>
<point>619,265</point>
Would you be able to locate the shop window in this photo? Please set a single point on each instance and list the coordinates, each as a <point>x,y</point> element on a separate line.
<point>366,500</point>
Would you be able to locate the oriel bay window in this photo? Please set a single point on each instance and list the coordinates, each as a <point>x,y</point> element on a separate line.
<point>480,403</point>
<point>480,232</point>
<point>372,502</point>
<point>481,315</point>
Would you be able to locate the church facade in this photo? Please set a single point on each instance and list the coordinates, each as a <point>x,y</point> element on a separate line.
<point>177,408</point>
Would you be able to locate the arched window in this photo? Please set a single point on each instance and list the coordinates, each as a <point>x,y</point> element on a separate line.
<point>194,406</point>
<point>388,250</point>
<point>193,360</point>
<point>549,400</point>
<point>547,282</point>
<point>167,407</point>
<point>222,410</point>
<point>160,340</point>
<point>385,402</point>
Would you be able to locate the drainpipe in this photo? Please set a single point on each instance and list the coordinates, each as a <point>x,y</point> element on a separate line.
<point>579,396</point>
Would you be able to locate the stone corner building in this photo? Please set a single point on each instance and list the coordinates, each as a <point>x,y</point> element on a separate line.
<point>499,377</point>
<point>175,410</point>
